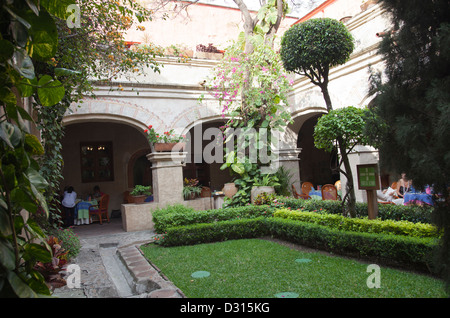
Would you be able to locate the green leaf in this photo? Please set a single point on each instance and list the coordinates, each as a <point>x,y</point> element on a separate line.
<point>34,145</point>
<point>7,258</point>
<point>23,64</point>
<point>36,179</point>
<point>15,16</point>
<point>38,252</point>
<point>44,35</point>
<point>19,33</point>
<point>22,199</point>
<point>60,71</point>
<point>238,168</point>
<point>6,50</point>
<point>21,289</point>
<point>7,96</point>
<point>5,224</point>
<point>57,8</point>
<point>27,86</point>
<point>50,91</point>
<point>10,133</point>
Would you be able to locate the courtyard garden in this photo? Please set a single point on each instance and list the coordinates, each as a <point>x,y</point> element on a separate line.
<point>296,248</point>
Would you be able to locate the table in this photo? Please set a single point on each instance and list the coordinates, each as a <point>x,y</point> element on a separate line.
<point>412,198</point>
<point>82,211</point>
<point>315,194</point>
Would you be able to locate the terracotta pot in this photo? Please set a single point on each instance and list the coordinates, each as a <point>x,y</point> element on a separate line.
<point>258,190</point>
<point>229,190</point>
<point>137,198</point>
<point>369,3</point>
<point>168,147</point>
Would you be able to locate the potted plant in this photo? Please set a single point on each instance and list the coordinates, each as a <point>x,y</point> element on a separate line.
<point>208,52</point>
<point>168,141</point>
<point>191,189</point>
<point>366,4</point>
<point>264,184</point>
<point>140,193</point>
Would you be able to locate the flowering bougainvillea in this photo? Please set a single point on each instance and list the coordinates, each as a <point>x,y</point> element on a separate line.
<point>252,87</point>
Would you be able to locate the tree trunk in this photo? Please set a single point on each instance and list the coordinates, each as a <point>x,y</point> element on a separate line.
<point>326,95</point>
<point>350,189</point>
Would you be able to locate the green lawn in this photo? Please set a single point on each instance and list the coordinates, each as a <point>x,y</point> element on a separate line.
<point>256,268</point>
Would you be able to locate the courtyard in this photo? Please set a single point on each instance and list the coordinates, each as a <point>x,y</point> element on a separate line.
<point>287,151</point>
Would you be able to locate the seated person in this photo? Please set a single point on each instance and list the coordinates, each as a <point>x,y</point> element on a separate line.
<point>97,193</point>
<point>387,195</point>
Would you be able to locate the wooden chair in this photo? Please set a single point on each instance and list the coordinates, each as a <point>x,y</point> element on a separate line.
<point>329,192</point>
<point>306,187</point>
<point>299,196</point>
<point>101,208</point>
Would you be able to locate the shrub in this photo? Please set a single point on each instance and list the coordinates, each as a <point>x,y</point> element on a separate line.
<point>340,222</point>
<point>68,240</point>
<point>178,216</point>
<point>214,232</point>
<point>409,213</point>
<point>390,249</point>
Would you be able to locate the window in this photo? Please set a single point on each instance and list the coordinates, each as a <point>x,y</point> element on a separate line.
<point>96,161</point>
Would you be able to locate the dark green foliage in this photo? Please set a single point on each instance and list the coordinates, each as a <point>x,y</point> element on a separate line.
<point>347,122</point>
<point>214,232</point>
<point>390,249</point>
<point>413,213</point>
<point>414,102</point>
<point>316,43</point>
<point>179,215</point>
<point>313,47</point>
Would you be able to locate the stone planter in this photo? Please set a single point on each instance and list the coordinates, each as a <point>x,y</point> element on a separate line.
<point>208,55</point>
<point>137,198</point>
<point>229,190</point>
<point>258,190</point>
<point>168,147</point>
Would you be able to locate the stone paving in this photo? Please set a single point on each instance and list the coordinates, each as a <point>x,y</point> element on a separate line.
<point>112,265</point>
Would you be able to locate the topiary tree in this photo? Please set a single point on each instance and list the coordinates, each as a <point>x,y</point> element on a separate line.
<point>311,48</point>
<point>347,125</point>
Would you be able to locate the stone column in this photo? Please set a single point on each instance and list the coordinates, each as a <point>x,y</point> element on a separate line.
<point>288,158</point>
<point>167,172</point>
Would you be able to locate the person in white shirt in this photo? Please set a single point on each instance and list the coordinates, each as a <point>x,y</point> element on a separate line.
<point>68,203</point>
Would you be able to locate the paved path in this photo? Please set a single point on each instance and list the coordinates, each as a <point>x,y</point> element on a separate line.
<point>112,266</point>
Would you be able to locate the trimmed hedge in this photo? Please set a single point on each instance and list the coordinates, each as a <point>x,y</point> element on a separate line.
<point>185,226</point>
<point>391,249</point>
<point>411,213</point>
<point>214,232</point>
<point>411,252</point>
<point>365,225</point>
<point>178,215</point>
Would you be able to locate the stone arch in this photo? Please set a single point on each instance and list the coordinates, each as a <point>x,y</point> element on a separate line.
<point>315,164</point>
<point>115,110</point>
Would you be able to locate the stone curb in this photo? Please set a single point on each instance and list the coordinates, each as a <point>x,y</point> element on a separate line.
<point>145,279</point>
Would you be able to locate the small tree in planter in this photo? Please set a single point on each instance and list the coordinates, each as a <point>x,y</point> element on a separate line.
<point>140,193</point>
